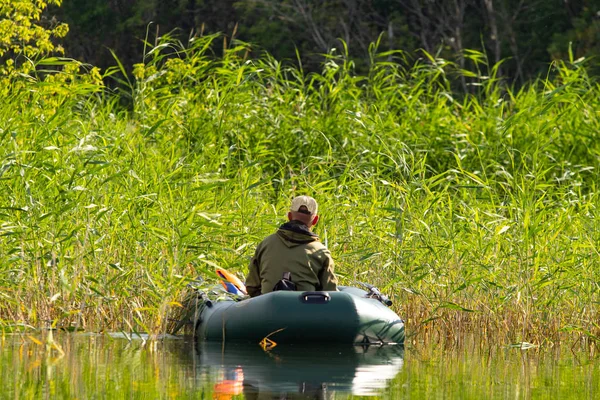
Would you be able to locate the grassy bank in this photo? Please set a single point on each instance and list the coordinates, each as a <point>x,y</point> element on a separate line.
<point>476,213</point>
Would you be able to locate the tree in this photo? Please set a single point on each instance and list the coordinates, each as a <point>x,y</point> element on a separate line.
<point>25,35</point>
<point>317,26</point>
<point>524,34</point>
<point>583,35</point>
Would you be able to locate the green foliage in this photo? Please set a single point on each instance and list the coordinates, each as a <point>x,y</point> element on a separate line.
<point>24,36</point>
<point>478,209</point>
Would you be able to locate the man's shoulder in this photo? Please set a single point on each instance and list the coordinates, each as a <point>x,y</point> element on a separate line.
<point>271,237</point>
<point>317,244</point>
<point>317,248</point>
<point>268,239</point>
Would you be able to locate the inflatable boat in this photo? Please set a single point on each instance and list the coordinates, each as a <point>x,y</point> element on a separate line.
<point>348,316</point>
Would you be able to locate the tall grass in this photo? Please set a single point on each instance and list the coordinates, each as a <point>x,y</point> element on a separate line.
<point>477,212</point>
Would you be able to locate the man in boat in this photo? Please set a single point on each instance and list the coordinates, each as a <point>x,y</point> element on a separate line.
<point>293,249</point>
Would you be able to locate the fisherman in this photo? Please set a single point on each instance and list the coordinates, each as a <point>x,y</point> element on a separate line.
<point>293,249</point>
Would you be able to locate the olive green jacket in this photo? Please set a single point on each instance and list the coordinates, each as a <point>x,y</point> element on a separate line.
<point>295,249</point>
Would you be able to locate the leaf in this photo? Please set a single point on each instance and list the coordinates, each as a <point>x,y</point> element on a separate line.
<point>84,149</point>
<point>369,255</point>
<point>209,219</point>
<point>411,291</point>
<point>212,264</point>
<point>155,127</point>
<point>453,306</point>
<point>56,61</point>
<point>34,340</point>
<point>523,345</point>
<point>116,266</point>
<point>502,230</point>
<point>430,319</point>
<point>581,330</point>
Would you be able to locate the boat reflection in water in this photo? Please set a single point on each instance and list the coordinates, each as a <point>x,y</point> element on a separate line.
<point>298,371</point>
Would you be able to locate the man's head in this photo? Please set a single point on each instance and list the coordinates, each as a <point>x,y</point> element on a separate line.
<point>304,209</point>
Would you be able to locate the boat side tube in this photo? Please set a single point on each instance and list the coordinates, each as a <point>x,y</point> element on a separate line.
<point>302,317</point>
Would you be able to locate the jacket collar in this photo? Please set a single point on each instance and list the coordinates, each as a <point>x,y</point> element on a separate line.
<point>296,233</point>
<point>298,227</point>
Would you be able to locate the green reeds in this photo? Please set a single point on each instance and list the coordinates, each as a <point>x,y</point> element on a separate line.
<point>476,212</point>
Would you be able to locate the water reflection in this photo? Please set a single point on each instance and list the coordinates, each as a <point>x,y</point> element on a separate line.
<point>120,366</point>
<point>305,371</point>
<point>134,367</point>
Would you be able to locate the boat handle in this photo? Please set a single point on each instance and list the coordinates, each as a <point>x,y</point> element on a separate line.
<point>315,297</point>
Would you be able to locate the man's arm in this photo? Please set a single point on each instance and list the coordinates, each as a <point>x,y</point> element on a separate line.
<point>253,285</point>
<point>327,276</point>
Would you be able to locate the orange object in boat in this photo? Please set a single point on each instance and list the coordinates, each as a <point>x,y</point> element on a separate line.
<point>234,280</point>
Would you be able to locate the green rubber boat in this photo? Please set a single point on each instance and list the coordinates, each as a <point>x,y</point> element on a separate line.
<point>349,316</point>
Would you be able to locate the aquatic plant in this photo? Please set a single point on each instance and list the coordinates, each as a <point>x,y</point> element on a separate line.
<point>475,212</point>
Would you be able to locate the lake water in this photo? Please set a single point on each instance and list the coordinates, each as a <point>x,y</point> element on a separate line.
<point>89,366</point>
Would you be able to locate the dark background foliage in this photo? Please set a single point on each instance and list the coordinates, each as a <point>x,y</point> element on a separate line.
<point>527,34</point>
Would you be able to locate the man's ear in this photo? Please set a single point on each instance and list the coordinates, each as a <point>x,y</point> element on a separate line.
<point>315,220</point>
<point>289,216</point>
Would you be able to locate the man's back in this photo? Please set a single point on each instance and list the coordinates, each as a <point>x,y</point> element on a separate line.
<point>295,249</point>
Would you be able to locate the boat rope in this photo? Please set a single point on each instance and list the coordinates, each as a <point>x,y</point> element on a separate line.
<point>268,344</point>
